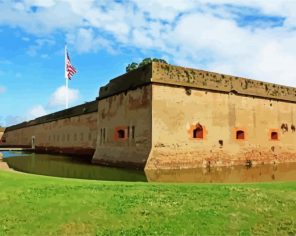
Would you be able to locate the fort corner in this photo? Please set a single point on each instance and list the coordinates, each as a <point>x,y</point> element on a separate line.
<point>2,129</point>
<point>166,117</point>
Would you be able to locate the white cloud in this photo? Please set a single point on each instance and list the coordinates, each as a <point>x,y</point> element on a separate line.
<point>38,45</point>
<point>58,98</point>
<point>13,120</point>
<point>44,20</point>
<point>26,39</point>
<point>2,89</point>
<point>165,9</point>
<point>41,3</point>
<point>86,41</point>
<point>32,113</point>
<point>35,112</point>
<point>202,34</point>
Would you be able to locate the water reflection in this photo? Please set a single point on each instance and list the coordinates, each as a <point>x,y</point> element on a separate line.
<point>7,154</point>
<point>62,166</point>
<point>237,174</point>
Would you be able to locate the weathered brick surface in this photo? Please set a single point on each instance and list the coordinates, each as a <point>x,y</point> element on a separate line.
<point>183,99</point>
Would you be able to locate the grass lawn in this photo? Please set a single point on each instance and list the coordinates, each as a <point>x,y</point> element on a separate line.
<point>40,205</point>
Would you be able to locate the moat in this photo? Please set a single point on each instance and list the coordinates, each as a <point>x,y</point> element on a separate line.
<point>69,167</point>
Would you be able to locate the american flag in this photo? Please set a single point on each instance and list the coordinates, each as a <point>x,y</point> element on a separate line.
<point>69,69</point>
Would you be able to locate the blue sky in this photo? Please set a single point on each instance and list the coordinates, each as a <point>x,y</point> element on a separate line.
<point>254,39</point>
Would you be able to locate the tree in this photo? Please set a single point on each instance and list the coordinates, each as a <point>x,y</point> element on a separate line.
<point>159,60</point>
<point>131,67</point>
<point>144,62</point>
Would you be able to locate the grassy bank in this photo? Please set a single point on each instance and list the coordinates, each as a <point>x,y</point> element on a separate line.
<point>39,205</point>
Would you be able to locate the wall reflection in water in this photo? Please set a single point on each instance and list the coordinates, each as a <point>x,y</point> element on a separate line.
<point>236,174</point>
<point>68,167</point>
<point>62,166</point>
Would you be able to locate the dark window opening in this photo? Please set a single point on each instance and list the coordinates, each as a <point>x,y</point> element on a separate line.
<point>121,133</point>
<point>101,136</point>
<point>274,135</point>
<point>133,132</point>
<point>221,143</point>
<point>198,132</point>
<point>240,134</point>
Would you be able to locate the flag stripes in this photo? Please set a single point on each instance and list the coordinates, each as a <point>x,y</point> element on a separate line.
<point>70,70</point>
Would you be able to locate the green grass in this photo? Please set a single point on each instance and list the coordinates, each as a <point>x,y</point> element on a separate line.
<point>39,205</point>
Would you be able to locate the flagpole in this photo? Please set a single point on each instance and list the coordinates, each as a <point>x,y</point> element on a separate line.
<point>67,105</point>
<point>66,77</point>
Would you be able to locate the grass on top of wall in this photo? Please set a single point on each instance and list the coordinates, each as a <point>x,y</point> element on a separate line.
<point>40,205</point>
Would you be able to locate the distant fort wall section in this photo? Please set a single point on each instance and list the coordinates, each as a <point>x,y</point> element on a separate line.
<point>71,131</point>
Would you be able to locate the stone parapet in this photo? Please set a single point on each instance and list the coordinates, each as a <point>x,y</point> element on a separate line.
<point>82,109</point>
<point>191,78</point>
<point>128,81</point>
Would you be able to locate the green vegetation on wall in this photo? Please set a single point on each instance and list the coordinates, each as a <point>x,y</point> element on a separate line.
<point>144,62</point>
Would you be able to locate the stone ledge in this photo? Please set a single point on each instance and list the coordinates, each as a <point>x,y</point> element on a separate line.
<point>82,109</point>
<point>192,78</point>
